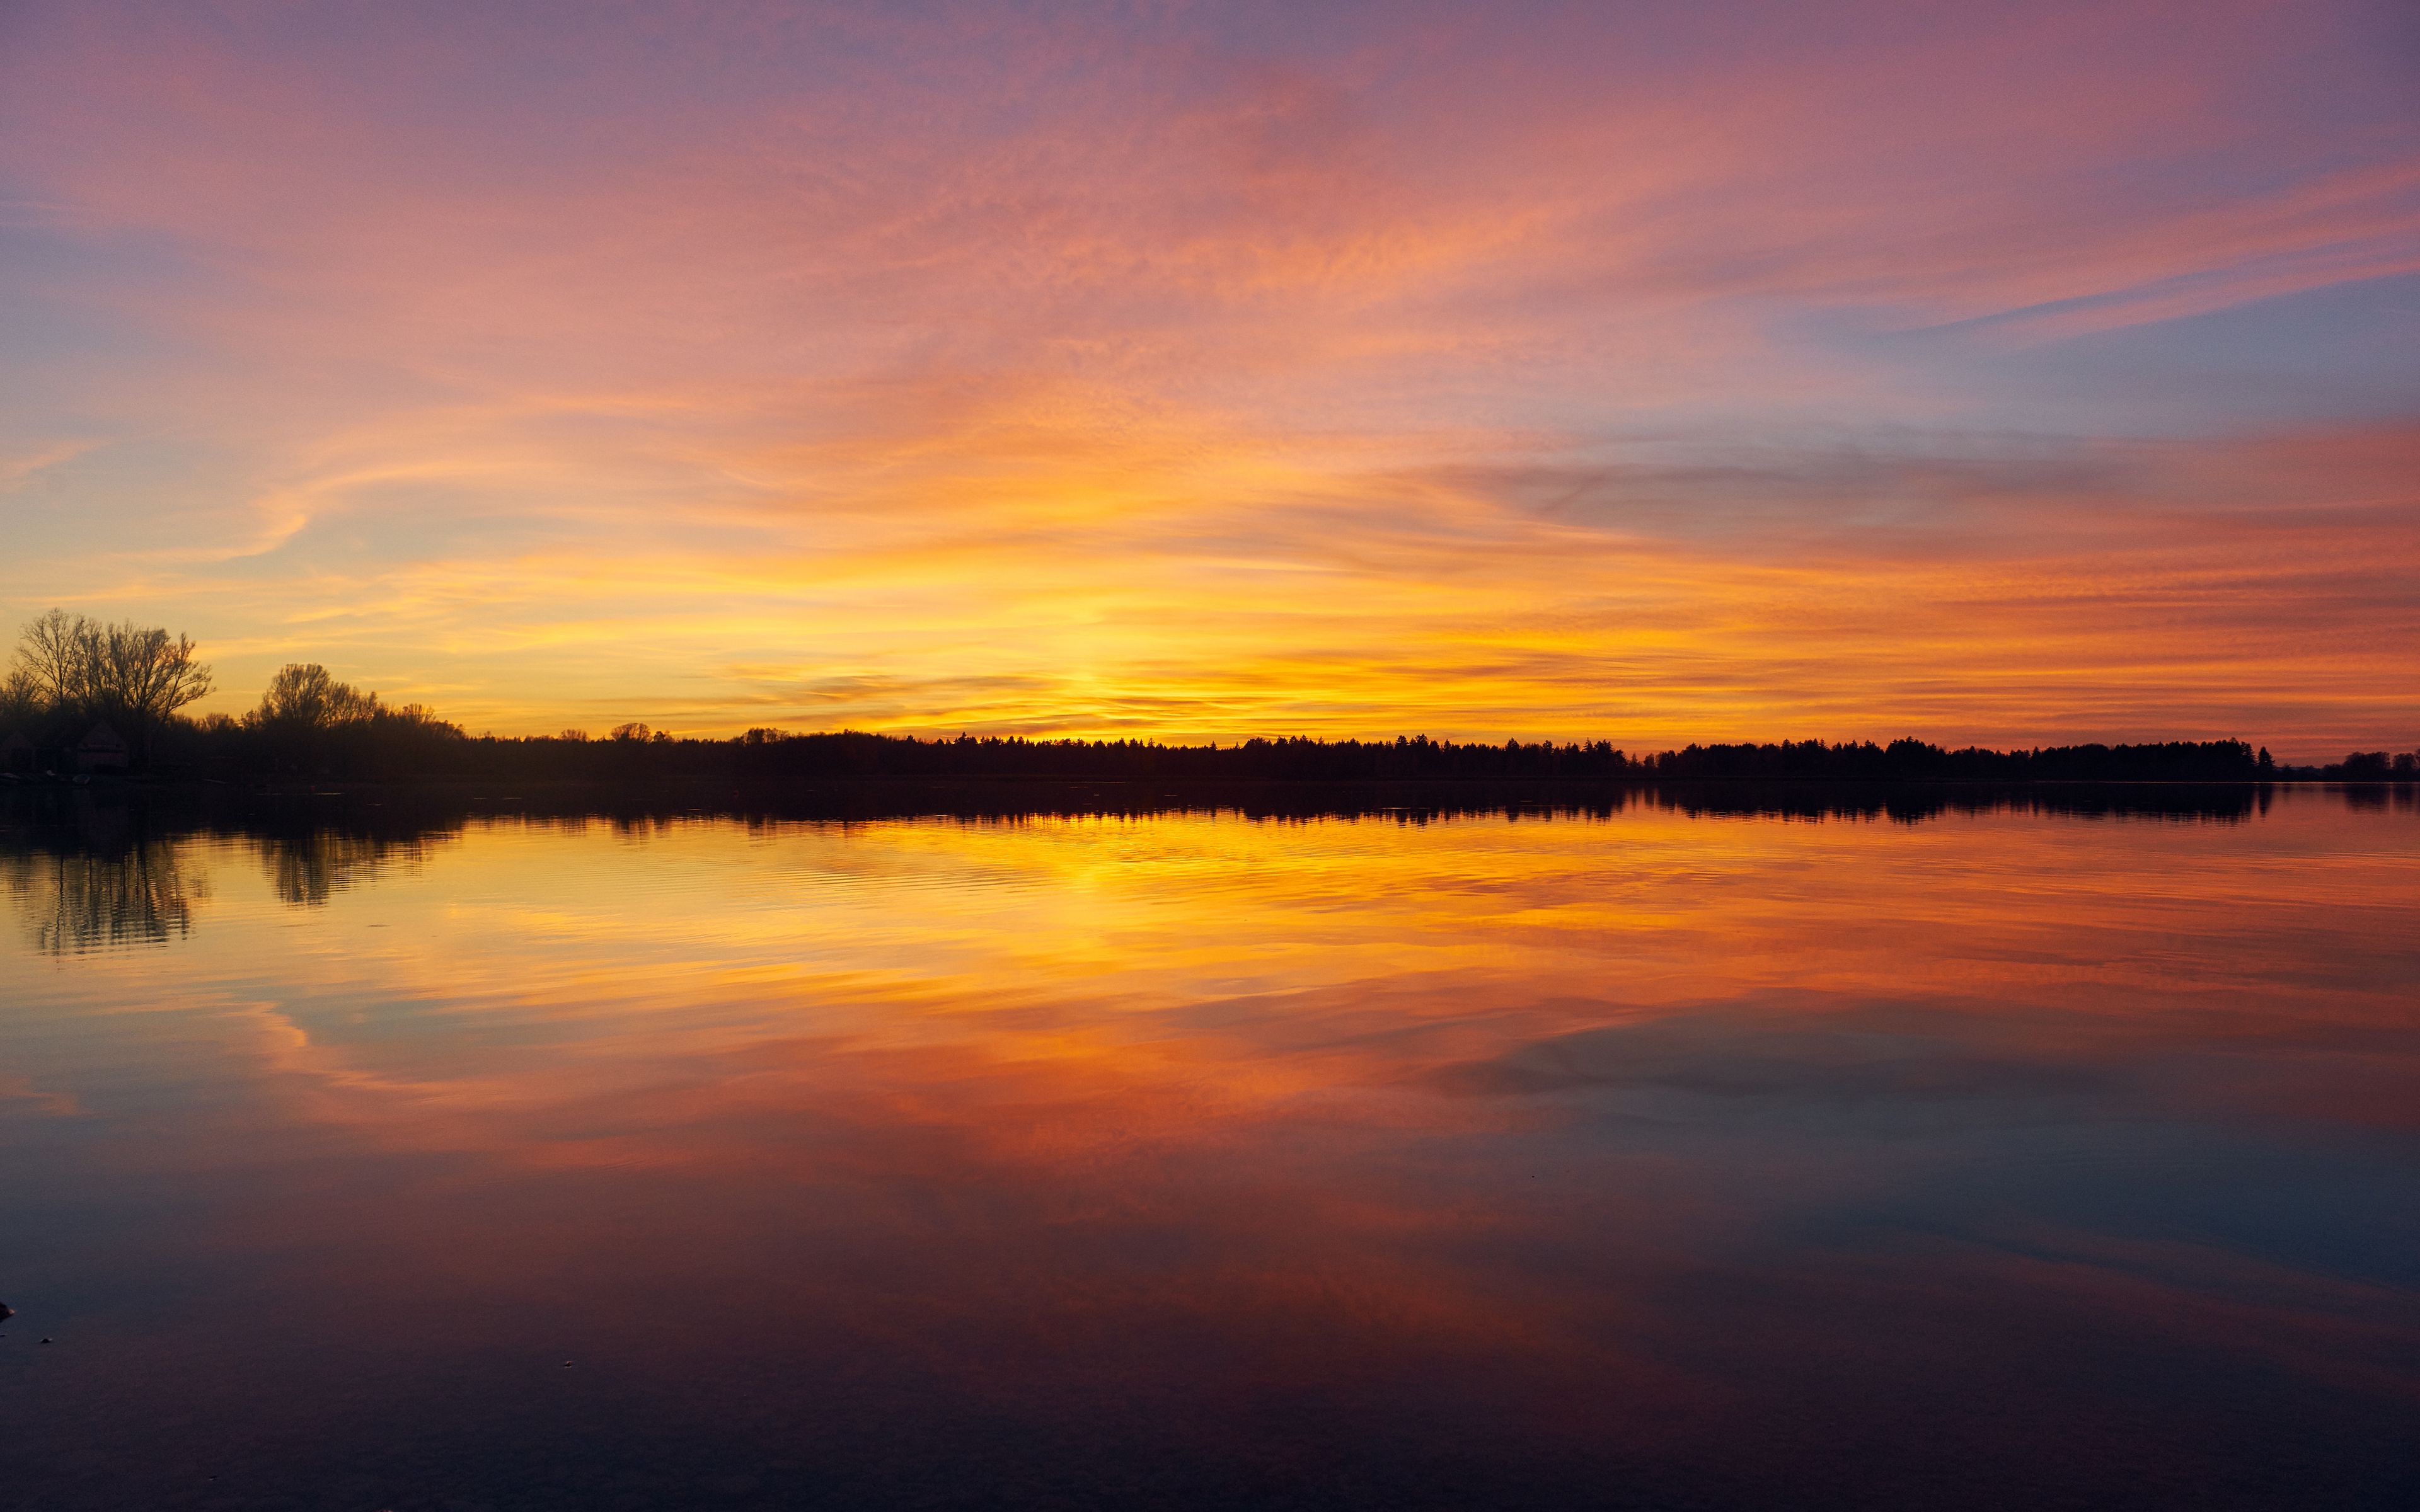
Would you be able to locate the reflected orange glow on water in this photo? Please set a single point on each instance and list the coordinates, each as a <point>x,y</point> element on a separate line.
<point>1464,1158</point>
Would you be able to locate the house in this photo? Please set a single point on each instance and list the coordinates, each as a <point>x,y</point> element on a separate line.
<point>15,753</point>
<point>102,749</point>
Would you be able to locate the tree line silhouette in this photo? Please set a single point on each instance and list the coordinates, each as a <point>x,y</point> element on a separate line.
<point>84,696</point>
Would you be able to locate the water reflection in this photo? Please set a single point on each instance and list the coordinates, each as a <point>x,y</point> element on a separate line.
<point>136,893</point>
<point>94,871</point>
<point>1677,1155</point>
<point>112,876</point>
<point>313,865</point>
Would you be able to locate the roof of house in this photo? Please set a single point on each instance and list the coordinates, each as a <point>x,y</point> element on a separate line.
<point>102,737</point>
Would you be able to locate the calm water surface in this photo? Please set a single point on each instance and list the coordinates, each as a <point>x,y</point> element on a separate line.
<point>2001,1159</point>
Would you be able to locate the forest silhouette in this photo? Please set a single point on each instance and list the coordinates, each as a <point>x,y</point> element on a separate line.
<point>85,699</point>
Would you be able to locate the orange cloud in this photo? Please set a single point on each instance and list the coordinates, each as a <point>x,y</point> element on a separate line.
<point>1107,376</point>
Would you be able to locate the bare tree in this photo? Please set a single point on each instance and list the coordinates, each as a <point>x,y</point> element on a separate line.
<point>21,699</point>
<point>56,655</point>
<point>137,674</point>
<point>306,695</point>
<point>144,675</point>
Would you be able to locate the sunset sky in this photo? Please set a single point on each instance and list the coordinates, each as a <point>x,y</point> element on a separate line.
<point>2010,374</point>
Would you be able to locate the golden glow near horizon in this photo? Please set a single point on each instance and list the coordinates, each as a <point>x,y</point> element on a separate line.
<point>2009,376</point>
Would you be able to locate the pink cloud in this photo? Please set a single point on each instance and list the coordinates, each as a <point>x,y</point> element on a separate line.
<point>1018,341</point>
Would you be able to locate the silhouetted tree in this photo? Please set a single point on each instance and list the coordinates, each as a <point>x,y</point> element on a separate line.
<point>137,676</point>
<point>55,658</point>
<point>20,700</point>
<point>304,695</point>
<point>305,711</point>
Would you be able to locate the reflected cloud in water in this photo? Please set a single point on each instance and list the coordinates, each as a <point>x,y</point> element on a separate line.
<point>1682,1152</point>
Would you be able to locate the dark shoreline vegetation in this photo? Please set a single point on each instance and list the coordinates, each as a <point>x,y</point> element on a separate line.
<point>88,700</point>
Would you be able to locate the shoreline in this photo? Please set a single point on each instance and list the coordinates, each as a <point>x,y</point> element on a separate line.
<point>440,803</point>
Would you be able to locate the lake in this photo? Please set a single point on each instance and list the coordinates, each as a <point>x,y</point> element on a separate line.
<point>1715,1152</point>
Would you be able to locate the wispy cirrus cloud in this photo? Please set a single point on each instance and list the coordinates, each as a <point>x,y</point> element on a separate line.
<point>1605,372</point>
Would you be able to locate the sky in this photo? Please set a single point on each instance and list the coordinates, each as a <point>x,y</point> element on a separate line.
<point>2014,374</point>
